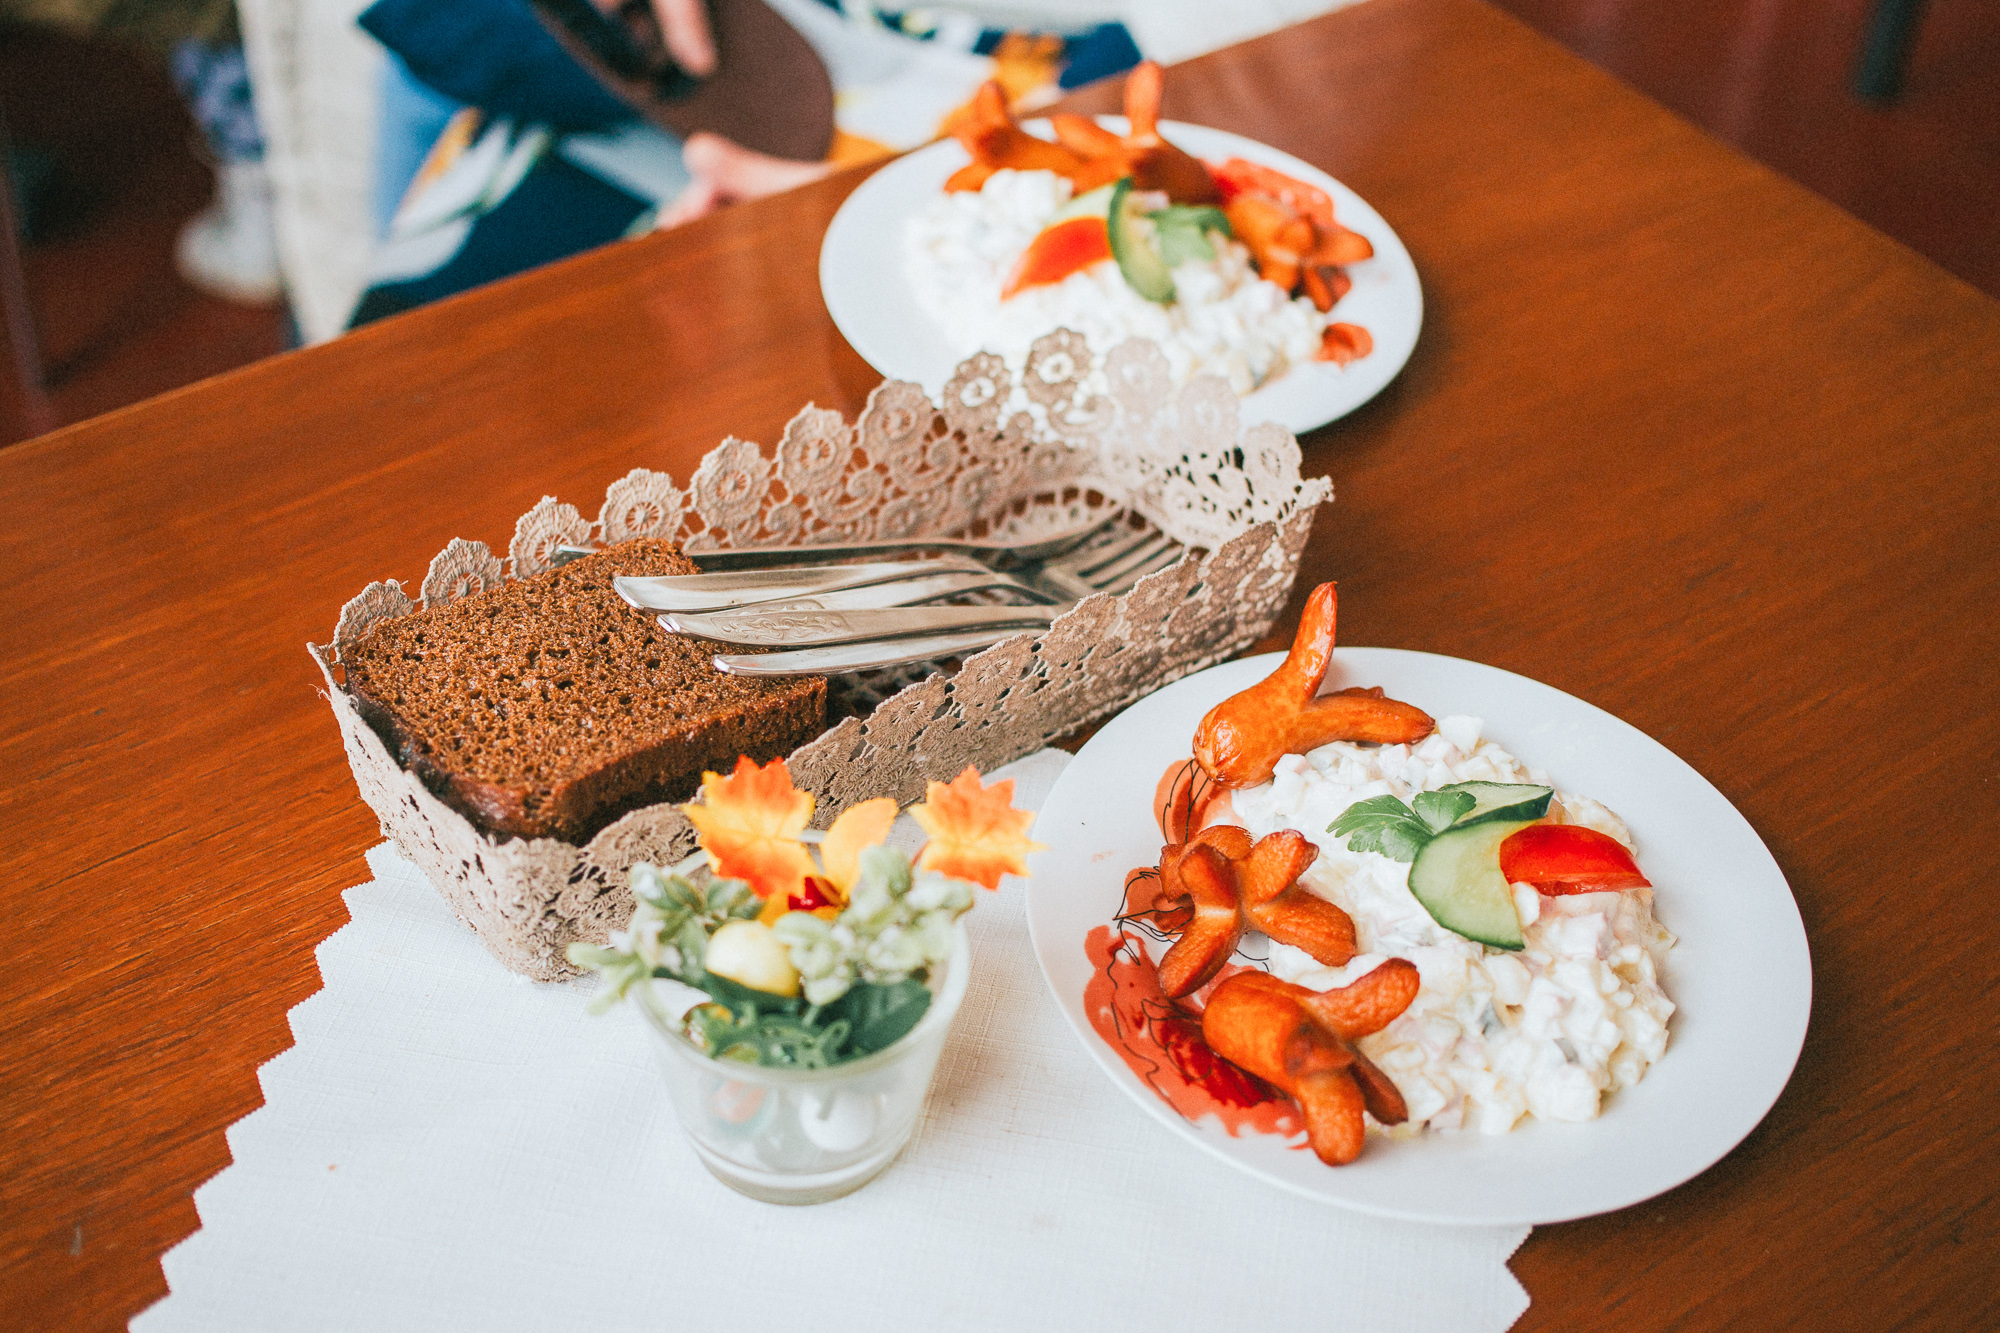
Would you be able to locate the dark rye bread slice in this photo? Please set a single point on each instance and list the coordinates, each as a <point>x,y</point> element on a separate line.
<point>547,707</point>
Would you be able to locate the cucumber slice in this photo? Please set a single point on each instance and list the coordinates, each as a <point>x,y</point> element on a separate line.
<point>1181,242</point>
<point>1457,878</point>
<point>1133,249</point>
<point>1091,203</point>
<point>1181,231</point>
<point>1519,801</point>
<point>1202,217</point>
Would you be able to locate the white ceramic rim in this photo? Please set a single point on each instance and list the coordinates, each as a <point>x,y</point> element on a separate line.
<point>872,304</point>
<point>1741,973</point>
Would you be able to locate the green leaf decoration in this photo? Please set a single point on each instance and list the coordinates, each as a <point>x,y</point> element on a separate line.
<point>882,1013</point>
<point>1384,825</point>
<point>728,897</point>
<point>691,942</point>
<point>862,976</point>
<point>678,893</point>
<point>1441,809</point>
<point>744,1001</point>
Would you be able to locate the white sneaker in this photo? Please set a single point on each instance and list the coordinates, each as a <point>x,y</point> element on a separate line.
<point>230,249</point>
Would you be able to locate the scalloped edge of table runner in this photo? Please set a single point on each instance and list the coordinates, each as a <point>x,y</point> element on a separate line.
<point>288,1240</point>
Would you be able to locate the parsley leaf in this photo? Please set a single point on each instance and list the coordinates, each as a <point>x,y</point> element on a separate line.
<point>1441,809</point>
<point>1384,825</point>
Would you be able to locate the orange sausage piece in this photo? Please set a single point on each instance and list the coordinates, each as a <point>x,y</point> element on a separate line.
<point>1212,934</point>
<point>1242,738</point>
<point>1366,1006</point>
<point>1253,1020</point>
<point>1081,134</point>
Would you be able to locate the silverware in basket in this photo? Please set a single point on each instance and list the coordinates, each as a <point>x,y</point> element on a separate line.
<point>831,642</point>
<point>995,554</point>
<point>877,583</point>
<point>783,626</point>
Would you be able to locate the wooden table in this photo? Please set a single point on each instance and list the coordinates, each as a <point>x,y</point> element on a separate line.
<point>1678,438</point>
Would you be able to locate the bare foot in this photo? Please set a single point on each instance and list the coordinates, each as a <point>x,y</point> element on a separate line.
<point>726,173</point>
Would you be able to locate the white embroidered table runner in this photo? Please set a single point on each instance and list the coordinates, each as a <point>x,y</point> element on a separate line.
<point>448,1146</point>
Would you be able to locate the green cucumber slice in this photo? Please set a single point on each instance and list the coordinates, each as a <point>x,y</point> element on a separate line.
<point>1457,878</point>
<point>1091,203</point>
<point>1133,249</point>
<point>1181,243</point>
<point>1182,232</point>
<point>1520,801</point>
<point>1205,216</point>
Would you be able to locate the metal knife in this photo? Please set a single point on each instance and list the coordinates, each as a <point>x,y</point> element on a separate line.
<point>716,592</point>
<point>761,627</point>
<point>858,656</point>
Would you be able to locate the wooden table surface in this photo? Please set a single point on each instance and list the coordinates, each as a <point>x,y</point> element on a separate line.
<point>1678,438</point>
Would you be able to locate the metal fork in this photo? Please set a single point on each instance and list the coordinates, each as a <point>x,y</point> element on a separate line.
<point>996,553</point>
<point>798,623</point>
<point>871,639</point>
<point>880,583</point>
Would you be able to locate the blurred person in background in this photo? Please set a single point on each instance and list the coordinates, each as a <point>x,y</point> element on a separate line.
<point>230,249</point>
<point>501,148</point>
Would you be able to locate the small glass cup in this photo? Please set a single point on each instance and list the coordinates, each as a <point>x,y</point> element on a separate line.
<point>798,1136</point>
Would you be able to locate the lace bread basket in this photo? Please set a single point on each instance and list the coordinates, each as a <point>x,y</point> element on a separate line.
<point>1008,454</point>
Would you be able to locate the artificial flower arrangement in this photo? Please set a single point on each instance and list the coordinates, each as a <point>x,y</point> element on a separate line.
<point>805,964</point>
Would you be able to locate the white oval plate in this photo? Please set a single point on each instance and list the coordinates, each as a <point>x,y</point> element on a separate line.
<point>871,301</point>
<point>1741,975</point>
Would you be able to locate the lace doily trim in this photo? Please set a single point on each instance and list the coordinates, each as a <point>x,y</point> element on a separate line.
<point>908,467</point>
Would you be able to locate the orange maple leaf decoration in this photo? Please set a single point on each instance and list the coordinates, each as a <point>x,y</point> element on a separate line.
<point>858,828</point>
<point>825,893</point>
<point>749,824</point>
<point>975,832</point>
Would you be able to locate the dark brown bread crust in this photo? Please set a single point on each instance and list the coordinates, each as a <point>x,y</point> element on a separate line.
<point>547,707</point>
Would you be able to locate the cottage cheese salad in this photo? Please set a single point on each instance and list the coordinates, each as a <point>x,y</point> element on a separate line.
<point>1453,944</point>
<point>1225,321</point>
<point>1492,1035</point>
<point>1231,267</point>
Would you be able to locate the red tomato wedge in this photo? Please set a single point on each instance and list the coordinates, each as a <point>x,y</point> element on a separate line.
<point>1068,247</point>
<point>1568,858</point>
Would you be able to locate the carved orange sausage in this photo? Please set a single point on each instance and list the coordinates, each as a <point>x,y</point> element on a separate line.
<point>1306,921</point>
<point>971,176</point>
<point>1382,1098</point>
<point>1083,135</point>
<point>1275,904</point>
<point>1154,163</point>
<point>1366,1006</point>
<point>1261,1027</point>
<point>1253,1020</point>
<point>1333,1104</point>
<point>1144,87</point>
<point>1211,935</point>
<point>1258,885</point>
<point>1242,738</point>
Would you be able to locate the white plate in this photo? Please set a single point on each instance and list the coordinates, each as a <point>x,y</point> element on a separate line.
<point>1741,975</point>
<point>871,301</point>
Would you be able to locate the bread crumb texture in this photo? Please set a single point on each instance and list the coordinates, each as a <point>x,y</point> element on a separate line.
<point>547,707</point>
